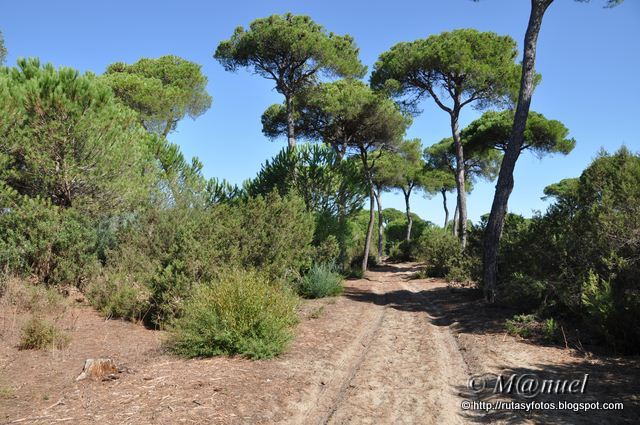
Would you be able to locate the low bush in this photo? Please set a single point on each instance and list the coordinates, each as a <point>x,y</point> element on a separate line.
<point>522,291</point>
<point>321,281</point>
<point>119,298</point>
<point>440,250</point>
<point>39,334</point>
<point>241,313</point>
<point>528,326</point>
<point>522,325</point>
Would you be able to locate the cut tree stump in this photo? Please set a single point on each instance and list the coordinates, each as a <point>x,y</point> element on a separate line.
<point>100,370</point>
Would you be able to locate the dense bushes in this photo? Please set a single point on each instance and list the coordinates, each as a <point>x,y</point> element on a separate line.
<point>169,252</point>
<point>441,252</point>
<point>56,245</point>
<point>319,282</point>
<point>582,257</point>
<point>240,313</point>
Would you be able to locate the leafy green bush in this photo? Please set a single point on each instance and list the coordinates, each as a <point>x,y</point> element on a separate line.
<point>580,257</point>
<point>521,325</point>
<point>39,334</point>
<point>522,291</point>
<point>440,250</point>
<point>241,313</point>
<point>116,296</point>
<point>41,239</point>
<point>528,326</point>
<point>550,329</point>
<point>599,303</point>
<point>321,281</point>
<point>171,251</point>
<point>327,251</point>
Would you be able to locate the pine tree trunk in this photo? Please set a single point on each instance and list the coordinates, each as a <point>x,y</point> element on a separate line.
<point>407,195</point>
<point>367,242</point>
<point>455,220</point>
<point>291,136</point>
<point>504,186</point>
<point>380,228</point>
<point>446,209</point>
<point>460,180</point>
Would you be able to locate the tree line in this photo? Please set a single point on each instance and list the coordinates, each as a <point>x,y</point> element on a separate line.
<point>95,195</point>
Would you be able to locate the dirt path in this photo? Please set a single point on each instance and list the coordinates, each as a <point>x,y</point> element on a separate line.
<point>400,371</point>
<point>389,351</point>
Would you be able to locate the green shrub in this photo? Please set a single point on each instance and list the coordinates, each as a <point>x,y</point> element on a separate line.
<point>522,291</point>
<point>171,251</point>
<point>522,325</point>
<point>599,304</point>
<point>40,334</point>
<point>241,313</point>
<point>116,296</point>
<point>321,281</point>
<point>42,239</point>
<point>440,250</point>
<point>327,251</point>
<point>355,273</point>
<point>550,329</point>
<point>401,251</point>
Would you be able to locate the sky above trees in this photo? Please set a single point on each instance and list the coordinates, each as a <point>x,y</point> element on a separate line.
<point>588,58</point>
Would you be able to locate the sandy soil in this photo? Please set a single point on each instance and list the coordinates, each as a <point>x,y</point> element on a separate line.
<point>390,350</point>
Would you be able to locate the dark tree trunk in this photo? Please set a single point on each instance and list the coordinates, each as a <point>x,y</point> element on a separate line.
<point>504,186</point>
<point>460,181</point>
<point>380,228</point>
<point>407,195</point>
<point>446,209</point>
<point>367,242</point>
<point>291,132</point>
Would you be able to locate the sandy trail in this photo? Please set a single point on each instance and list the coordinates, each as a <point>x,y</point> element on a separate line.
<point>391,350</point>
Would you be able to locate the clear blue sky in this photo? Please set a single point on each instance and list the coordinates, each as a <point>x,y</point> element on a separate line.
<point>589,58</point>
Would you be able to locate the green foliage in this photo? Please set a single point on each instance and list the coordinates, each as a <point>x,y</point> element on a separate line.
<point>598,300</point>
<point>118,297</point>
<point>172,251</point>
<point>541,136</point>
<point>320,281</point>
<point>522,291</point>
<point>580,258</point>
<point>292,50</point>
<point>161,90</point>
<point>240,313</point>
<point>550,329</point>
<point>315,173</point>
<point>478,66</point>
<point>56,245</point>
<point>38,334</point>
<point>529,326</point>
<point>480,162</point>
<point>3,49</point>
<point>439,249</point>
<point>328,251</point>
<point>67,140</point>
<point>521,325</point>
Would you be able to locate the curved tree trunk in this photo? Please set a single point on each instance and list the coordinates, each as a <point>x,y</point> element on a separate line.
<point>504,186</point>
<point>407,195</point>
<point>460,181</point>
<point>446,209</point>
<point>367,242</point>
<point>291,133</point>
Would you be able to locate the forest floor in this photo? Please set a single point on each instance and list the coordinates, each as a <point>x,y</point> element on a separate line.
<point>389,350</point>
